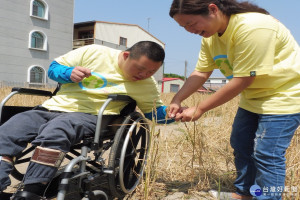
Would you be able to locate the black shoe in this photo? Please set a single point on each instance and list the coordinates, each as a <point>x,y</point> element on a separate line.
<point>5,195</point>
<point>24,195</point>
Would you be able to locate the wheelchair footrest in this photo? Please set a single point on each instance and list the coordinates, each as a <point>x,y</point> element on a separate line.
<point>5,195</point>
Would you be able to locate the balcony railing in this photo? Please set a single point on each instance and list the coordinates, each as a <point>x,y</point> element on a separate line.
<point>82,42</point>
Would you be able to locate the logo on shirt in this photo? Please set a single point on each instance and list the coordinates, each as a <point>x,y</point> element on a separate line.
<point>224,66</point>
<point>253,73</point>
<point>99,82</point>
<point>95,81</point>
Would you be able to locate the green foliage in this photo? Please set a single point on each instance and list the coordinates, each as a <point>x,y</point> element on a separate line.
<point>173,76</point>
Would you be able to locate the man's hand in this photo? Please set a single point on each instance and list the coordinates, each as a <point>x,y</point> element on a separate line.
<point>79,73</point>
<point>189,114</point>
<point>173,109</point>
<point>192,84</point>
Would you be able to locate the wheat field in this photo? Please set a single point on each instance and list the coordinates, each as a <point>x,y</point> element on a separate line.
<point>193,157</point>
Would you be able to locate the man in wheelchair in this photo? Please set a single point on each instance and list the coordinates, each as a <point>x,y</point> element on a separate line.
<point>87,76</point>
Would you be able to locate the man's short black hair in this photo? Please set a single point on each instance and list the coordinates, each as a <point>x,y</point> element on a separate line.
<point>150,49</point>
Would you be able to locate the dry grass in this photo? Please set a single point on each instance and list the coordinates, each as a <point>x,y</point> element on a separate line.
<point>195,156</point>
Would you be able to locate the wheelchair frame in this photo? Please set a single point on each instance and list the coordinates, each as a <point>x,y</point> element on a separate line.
<point>127,157</point>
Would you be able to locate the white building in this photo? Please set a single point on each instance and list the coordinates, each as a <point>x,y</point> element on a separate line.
<point>215,83</point>
<point>171,85</point>
<point>32,34</point>
<point>175,84</point>
<point>116,35</point>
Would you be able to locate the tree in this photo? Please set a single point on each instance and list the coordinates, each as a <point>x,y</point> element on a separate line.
<point>173,76</point>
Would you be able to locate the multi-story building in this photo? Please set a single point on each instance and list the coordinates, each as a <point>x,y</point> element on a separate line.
<point>32,34</point>
<point>115,35</point>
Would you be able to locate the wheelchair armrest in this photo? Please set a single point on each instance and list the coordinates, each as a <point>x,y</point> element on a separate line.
<point>25,91</point>
<point>119,97</point>
<point>112,97</point>
<point>32,91</point>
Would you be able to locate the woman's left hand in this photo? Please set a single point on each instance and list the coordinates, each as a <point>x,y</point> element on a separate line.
<point>189,114</point>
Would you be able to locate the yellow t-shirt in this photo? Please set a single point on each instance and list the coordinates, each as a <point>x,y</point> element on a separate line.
<point>89,95</point>
<point>258,45</point>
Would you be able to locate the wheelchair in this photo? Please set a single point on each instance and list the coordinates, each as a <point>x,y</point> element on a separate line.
<point>107,166</point>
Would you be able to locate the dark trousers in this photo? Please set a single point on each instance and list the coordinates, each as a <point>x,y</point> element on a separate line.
<point>54,130</point>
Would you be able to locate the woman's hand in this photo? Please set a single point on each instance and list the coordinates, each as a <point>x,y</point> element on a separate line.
<point>189,114</point>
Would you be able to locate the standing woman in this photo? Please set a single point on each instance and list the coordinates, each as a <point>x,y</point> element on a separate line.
<point>261,59</point>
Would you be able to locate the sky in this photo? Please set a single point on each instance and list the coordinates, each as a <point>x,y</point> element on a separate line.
<point>180,45</point>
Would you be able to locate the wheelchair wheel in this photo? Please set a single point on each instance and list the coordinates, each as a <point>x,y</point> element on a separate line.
<point>128,155</point>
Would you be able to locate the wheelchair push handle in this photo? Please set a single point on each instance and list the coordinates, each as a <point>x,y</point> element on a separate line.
<point>31,91</point>
<point>26,91</point>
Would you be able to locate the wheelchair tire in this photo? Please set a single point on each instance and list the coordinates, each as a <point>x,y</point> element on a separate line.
<point>128,155</point>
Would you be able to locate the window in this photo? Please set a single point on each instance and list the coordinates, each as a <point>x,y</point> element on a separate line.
<point>123,41</point>
<point>37,40</point>
<point>174,88</point>
<point>39,9</point>
<point>36,75</point>
<point>224,81</point>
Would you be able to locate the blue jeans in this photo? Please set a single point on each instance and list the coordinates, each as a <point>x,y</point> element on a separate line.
<point>259,142</point>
